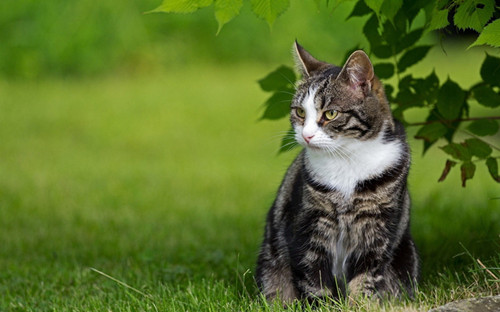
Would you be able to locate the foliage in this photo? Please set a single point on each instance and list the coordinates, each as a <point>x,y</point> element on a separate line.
<point>393,38</point>
<point>57,38</point>
<point>226,10</point>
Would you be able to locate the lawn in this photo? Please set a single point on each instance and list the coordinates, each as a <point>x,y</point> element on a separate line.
<point>149,193</point>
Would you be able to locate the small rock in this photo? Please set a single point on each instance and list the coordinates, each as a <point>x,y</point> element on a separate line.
<point>486,304</point>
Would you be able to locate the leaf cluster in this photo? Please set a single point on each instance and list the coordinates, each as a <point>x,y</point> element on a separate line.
<point>478,15</point>
<point>226,10</point>
<point>394,40</point>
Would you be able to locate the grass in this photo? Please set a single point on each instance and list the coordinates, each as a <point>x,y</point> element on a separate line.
<point>150,193</point>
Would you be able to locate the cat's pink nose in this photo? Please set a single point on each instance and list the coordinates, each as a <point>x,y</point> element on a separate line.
<point>308,138</point>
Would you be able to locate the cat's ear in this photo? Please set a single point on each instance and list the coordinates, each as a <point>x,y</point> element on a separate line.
<point>358,72</point>
<point>305,62</point>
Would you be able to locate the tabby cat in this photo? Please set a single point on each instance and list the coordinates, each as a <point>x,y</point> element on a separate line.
<point>340,222</point>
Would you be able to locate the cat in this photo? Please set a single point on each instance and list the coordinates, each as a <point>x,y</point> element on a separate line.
<point>340,222</point>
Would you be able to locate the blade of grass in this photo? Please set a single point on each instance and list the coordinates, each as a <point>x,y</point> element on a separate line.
<point>149,297</point>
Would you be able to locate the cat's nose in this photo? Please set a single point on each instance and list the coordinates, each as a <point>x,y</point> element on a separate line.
<point>308,138</point>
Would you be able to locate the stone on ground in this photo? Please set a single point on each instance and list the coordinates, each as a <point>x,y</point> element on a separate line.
<point>486,304</point>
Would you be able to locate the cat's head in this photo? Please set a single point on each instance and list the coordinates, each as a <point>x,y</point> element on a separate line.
<point>336,106</point>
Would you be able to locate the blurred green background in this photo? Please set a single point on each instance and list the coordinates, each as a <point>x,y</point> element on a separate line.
<point>129,142</point>
<point>82,38</point>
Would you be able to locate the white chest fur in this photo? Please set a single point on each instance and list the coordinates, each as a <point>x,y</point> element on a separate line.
<point>352,161</point>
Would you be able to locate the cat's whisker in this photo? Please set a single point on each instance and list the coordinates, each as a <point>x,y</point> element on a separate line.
<point>340,151</point>
<point>283,101</point>
<point>340,154</point>
<point>289,146</point>
<point>273,142</point>
<point>290,143</point>
<point>330,151</point>
<point>293,83</point>
<point>286,131</point>
<point>281,135</point>
<point>285,92</point>
<point>343,151</point>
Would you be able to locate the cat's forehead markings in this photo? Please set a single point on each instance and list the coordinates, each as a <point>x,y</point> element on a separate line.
<point>308,102</point>
<point>309,106</point>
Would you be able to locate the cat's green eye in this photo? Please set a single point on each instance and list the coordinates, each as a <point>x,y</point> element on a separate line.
<point>331,114</point>
<point>300,112</point>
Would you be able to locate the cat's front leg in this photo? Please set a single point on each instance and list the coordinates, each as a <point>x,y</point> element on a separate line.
<point>363,285</point>
<point>373,283</point>
<point>314,279</point>
<point>274,276</point>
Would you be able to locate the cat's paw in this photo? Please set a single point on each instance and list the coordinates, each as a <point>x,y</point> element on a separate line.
<point>362,285</point>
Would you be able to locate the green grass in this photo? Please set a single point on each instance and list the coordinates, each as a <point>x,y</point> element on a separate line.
<point>163,183</point>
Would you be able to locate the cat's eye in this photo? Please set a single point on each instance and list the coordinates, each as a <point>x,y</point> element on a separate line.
<point>300,112</point>
<point>331,114</point>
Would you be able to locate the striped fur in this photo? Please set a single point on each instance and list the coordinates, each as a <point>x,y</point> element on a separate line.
<point>340,221</point>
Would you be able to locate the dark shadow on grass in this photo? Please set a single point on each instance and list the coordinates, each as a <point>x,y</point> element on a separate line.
<point>450,237</point>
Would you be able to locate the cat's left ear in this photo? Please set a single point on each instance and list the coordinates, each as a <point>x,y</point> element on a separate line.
<point>305,62</point>
<point>358,72</point>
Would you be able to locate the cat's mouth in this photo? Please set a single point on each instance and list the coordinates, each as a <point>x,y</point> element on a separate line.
<point>314,146</point>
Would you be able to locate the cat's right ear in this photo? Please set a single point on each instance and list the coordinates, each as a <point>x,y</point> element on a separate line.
<point>305,62</point>
<point>358,72</point>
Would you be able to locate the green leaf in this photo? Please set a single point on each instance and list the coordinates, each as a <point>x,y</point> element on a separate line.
<point>490,70</point>
<point>226,10</point>
<point>382,51</point>
<point>388,92</point>
<point>441,4</point>
<point>389,8</point>
<point>375,5</point>
<point>377,45</point>
<point>391,35</point>
<point>281,82</point>
<point>431,132</point>
<point>415,92</point>
<point>447,167</point>
<point>450,100</point>
<point>336,3</point>
<point>468,169</point>
<point>428,88</point>
<point>438,19</point>
<point>478,148</point>
<point>370,30</point>
<point>409,40</point>
<point>288,142</point>
<point>412,8</point>
<point>269,10</point>
<point>278,105</point>
<point>278,79</point>
<point>474,14</point>
<point>384,70</point>
<point>483,127</point>
<point>493,168</point>
<point>457,151</point>
<point>486,96</point>
<point>489,36</point>
<point>452,129</point>
<point>360,9</point>
<point>182,6</point>
<point>412,57</point>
